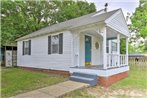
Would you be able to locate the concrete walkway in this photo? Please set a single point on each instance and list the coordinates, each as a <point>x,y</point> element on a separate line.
<point>53,91</point>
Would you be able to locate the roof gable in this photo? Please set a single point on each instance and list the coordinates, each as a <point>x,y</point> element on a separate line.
<point>118,22</point>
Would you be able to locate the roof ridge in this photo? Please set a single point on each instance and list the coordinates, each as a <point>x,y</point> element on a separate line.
<point>84,16</point>
<point>79,17</point>
<point>78,21</point>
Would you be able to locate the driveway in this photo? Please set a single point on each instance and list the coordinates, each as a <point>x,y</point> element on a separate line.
<point>53,91</point>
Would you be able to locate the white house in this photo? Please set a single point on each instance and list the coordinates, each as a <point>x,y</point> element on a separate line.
<point>87,44</point>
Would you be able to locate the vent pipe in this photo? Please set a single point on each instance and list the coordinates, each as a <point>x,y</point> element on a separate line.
<point>106,5</point>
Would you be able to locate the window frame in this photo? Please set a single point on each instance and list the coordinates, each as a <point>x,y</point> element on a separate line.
<point>114,46</point>
<point>52,44</point>
<point>27,47</point>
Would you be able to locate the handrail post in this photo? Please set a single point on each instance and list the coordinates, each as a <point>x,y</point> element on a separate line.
<point>118,48</point>
<point>104,48</point>
<point>126,51</point>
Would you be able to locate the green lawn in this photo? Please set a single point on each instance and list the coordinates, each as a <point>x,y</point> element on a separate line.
<point>134,85</point>
<point>137,78</point>
<point>16,80</point>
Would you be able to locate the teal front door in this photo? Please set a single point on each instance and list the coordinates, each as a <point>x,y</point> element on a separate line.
<point>87,50</point>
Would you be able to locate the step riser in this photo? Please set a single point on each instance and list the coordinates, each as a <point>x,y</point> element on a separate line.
<point>85,78</point>
<point>92,83</point>
<point>84,75</point>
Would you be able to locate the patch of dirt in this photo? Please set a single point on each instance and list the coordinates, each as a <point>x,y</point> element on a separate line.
<point>109,93</point>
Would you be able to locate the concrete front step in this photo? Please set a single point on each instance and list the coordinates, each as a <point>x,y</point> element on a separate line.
<point>85,78</point>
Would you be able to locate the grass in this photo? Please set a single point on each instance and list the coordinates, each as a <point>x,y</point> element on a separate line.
<point>16,80</point>
<point>79,94</point>
<point>137,80</point>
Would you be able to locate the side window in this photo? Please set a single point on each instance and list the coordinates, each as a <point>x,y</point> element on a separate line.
<point>27,47</point>
<point>55,44</point>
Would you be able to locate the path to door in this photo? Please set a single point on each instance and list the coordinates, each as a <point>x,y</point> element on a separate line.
<point>53,91</point>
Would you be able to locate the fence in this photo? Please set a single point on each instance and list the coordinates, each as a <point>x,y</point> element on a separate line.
<point>140,61</point>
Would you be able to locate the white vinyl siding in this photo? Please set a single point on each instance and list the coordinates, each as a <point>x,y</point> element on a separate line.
<point>41,59</point>
<point>118,23</point>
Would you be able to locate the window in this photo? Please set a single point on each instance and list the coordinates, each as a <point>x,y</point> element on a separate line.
<point>27,47</point>
<point>55,44</point>
<point>114,46</point>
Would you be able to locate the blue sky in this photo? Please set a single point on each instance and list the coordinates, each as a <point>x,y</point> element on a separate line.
<point>125,5</point>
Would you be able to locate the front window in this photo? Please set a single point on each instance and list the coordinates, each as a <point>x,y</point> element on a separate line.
<point>114,46</point>
<point>55,44</point>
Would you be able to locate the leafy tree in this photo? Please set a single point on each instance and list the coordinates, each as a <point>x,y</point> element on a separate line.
<point>23,17</point>
<point>19,18</point>
<point>131,49</point>
<point>139,26</point>
<point>145,46</point>
<point>71,9</point>
<point>139,19</point>
<point>123,46</point>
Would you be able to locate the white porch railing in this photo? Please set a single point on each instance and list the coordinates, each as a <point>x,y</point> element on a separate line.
<point>115,60</point>
<point>123,60</point>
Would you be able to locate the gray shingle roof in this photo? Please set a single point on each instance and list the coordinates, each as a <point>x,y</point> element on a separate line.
<point>73,23</point>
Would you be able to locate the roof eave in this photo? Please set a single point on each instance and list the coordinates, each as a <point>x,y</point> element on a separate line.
<point>26,37</point>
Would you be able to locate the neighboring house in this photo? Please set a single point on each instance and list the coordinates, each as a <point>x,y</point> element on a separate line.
<point>87,44</point>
